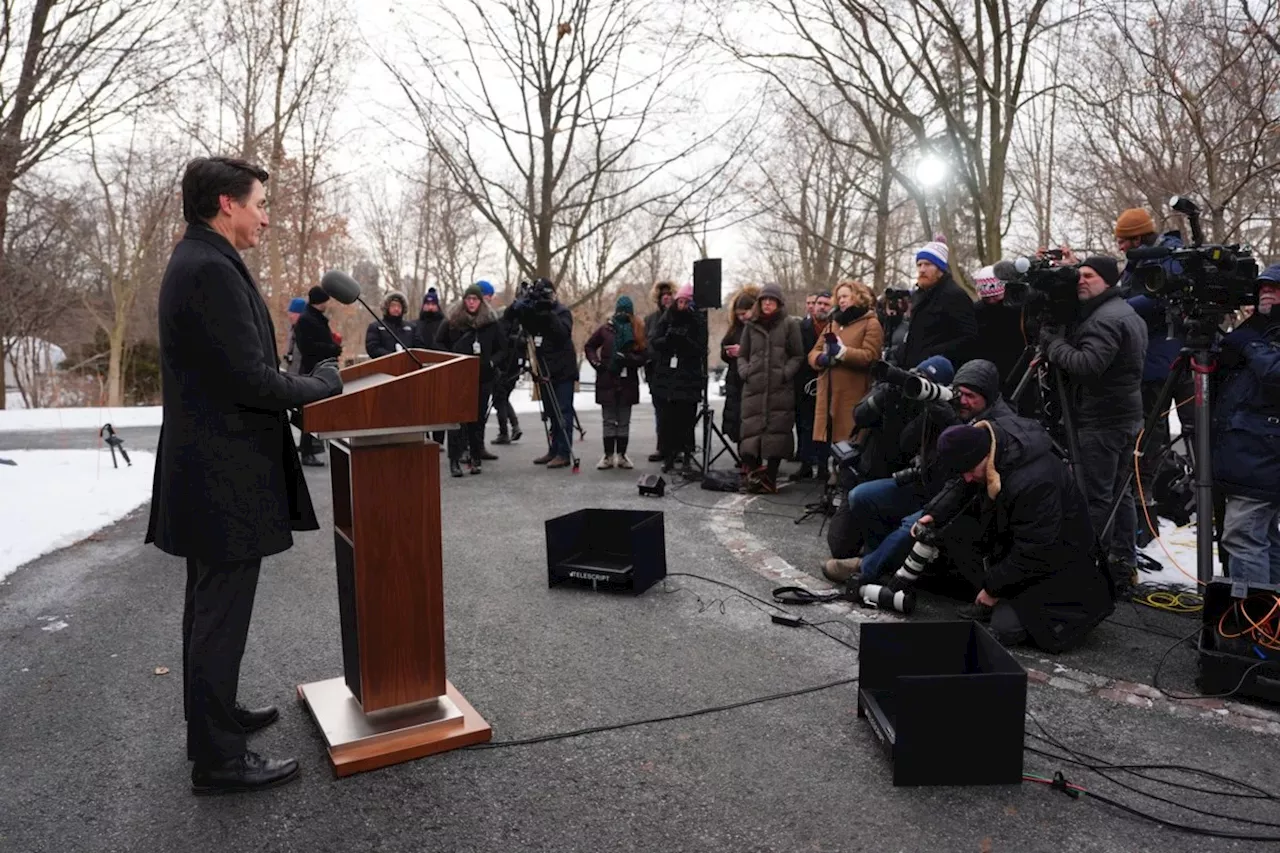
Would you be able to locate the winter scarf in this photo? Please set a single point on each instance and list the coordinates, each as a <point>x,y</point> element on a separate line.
<point>624,340</point>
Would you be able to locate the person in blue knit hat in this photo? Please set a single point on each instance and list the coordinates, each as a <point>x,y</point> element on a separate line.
<point>943,321</point>
<point>292,361</point>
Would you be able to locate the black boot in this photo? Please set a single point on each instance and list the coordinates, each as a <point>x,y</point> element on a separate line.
<point>475,466</point>
<point>805,473</point>
<point>248,772</point>
<point>515,430</point>
<point>455,468</point>
<point>485,455</point>
<point>502,438</point>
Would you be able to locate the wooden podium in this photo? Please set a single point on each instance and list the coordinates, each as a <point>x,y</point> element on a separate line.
<point>393,702</point>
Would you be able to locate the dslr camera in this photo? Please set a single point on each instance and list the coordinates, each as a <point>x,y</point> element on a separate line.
<point>913,385</point>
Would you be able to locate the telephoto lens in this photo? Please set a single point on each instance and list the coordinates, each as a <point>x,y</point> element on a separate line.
<point>919,388</point>
<point>883,598</point>
<point>922,553</point>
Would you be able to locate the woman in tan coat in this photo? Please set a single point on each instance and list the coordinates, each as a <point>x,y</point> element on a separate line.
<point>843,358</point>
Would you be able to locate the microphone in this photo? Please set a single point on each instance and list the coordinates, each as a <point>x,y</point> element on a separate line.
<point>1005,270</point>
<point>346,290</point>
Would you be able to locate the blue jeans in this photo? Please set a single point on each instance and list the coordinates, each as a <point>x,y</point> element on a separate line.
<point>1252,539</point>
<point>882,508</point>
<point>562,431</point>
<point>887,556</point>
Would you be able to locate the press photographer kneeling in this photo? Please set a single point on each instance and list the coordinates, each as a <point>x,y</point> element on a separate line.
<point>1040,582</point>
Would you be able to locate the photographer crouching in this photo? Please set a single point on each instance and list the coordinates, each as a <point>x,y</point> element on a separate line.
<point>550,324</point>
<point>1246,438</point>
<point>1040,583</point>
<point>1101,356</point>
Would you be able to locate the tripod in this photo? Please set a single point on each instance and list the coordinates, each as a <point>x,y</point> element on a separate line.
<point>553,419</point>
<point>1198,357</point>
<point>1051,374</point>
<point>707,415</point>
<point>826,505</point>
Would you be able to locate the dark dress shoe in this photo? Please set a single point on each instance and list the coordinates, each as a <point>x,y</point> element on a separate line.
<point>455,468</point>
<point>255,719</point>
<point>248,772</point>
<point>502,438</point>
<point>976,612</point>
<point>486,456</point>
<point>312,461</point>
<point>516,433</point>
<point>544,459</point>
<point>656,457</point>
<point>557,462</point>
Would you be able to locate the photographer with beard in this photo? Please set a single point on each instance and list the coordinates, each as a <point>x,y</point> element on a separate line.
<point>472,329</point>
<point>1039,581</point>
<point>1101,357</point>
<point>379,338</point>
<point>1246,438</point>
<point>942,315</point>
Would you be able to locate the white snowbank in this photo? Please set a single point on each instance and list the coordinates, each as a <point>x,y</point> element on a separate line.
<point>55,498</point>
<point>12,420</point>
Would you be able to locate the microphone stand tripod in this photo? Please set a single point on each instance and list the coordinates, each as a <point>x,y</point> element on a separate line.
<point>707,415</point>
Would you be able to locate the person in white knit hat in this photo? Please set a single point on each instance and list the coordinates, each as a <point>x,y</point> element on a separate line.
<point>1000,336</point>
<point>942,318</point>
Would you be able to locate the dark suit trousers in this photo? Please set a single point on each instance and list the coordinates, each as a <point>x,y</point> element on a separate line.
<point>215,625</point>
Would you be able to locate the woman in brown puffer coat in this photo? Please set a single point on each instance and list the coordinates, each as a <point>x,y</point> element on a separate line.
<point>843,358</point>
<point>769,355</point>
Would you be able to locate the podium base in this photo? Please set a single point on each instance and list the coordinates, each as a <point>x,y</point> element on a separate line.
<point>358,741</point>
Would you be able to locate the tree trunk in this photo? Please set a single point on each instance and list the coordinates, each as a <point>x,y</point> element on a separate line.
<point>115,363</point>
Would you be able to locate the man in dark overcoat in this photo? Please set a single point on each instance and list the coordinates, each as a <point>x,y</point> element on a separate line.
<point>228,489</point>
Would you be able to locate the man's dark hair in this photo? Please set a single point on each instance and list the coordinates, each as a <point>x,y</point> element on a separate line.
<point>206,179</point>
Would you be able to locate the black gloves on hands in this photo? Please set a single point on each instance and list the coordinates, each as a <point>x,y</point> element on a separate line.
<point>327,372</point>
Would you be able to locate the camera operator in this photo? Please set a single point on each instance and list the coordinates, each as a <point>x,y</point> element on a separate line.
<point>942,317</point>
<point>1101,357</point>
<point>898,439</point>
<point>1040,582</point>
<point>1136,229</point>
<point>1246,438</point>
<point>1000,336</point>
<point>550,324</point>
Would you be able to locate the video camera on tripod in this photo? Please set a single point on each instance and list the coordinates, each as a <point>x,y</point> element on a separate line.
<point>1210,280</point>
<point>1042,286</point>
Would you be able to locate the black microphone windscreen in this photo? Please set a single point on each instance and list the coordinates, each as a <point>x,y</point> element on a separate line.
<point>1005,270</point>
<point>340,286</point>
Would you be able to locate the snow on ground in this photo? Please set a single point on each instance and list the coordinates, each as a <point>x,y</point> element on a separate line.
<point>78,418</point>
<point>55,498</point>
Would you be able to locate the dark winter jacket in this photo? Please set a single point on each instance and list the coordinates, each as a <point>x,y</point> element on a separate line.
<point>228,485</point>
<point>515,352</point>
<point>1000,339</point>
<point>378,340</point>
<point>771,354</point>
<point>552,331</point>
<point>810,331</point>
<point>621,388</point>
<point>1102,356</point>
<point>1039,541</point>
<point>475,334</point>
<point>314,339</point>
<point>677,348</point>
<point>1162,350</point>
<point>656,294</point>
<point>942,323</point>
<point>427,329</point>
<point>731,415</point>
<point>1246,412</point>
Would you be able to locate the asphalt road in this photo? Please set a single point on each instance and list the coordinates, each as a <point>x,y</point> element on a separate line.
<point>92,737</point>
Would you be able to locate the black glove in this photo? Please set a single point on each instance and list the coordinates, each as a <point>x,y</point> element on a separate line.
<point>327,372</point>
<point>1049,334</point>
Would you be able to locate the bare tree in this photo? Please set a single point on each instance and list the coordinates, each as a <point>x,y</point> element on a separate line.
<point>63,67</point>
<point>136,218</point>
<point>954,75</point>
<point>580,99</point>
<point>1190,104</point>
<point>280,68</point>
